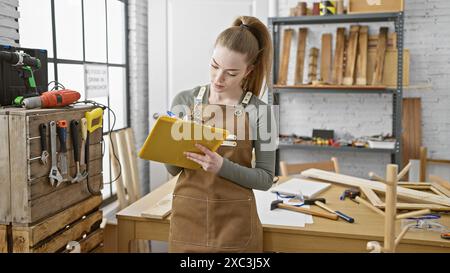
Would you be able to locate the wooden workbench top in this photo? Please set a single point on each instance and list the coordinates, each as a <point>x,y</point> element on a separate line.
<point>368,225</point>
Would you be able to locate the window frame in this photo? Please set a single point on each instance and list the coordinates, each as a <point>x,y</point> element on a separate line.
<point>55,61</point>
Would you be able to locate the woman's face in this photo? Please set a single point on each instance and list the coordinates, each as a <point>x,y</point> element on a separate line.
<point>228,69</point>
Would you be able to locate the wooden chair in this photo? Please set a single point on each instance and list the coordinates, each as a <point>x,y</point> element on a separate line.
<point>296,168</point>
<point>128,184</point>
<point>424,161</point>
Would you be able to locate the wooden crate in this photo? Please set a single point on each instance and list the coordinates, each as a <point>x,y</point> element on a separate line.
<point>3,238</point>
<point>375,6</point>
<point>28,193</point>
<point>80,223</point>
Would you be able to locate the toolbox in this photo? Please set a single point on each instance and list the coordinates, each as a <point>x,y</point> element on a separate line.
<point>42,217</point>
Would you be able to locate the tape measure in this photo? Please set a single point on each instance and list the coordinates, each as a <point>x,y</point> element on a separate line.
<point>327,8</point>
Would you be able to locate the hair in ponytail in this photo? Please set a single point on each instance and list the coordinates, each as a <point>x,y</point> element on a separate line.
<point>248,35</point>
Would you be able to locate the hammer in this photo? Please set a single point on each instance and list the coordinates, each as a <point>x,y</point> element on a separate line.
<point>320,202</point>
<point>279,204</point>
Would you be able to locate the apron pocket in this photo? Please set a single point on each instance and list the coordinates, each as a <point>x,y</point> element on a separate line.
<point>188,220</point>
<point>229,223</point>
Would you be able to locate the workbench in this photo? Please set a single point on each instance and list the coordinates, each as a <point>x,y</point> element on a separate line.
<point>322,236</point>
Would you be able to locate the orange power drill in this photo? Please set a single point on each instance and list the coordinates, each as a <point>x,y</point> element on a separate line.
<point>51,99</point>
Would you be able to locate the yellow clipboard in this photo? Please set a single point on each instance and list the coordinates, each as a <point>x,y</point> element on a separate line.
<point>171,137</point>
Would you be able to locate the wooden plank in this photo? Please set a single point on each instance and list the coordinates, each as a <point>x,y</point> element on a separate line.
<point>412,129</point>
<point>18,162</point>
<point>115,171</point>
<point>92,241</point>
<point>361,71</point>
<point>58,201</point>
<point>161,209</point>
<point>5,181</point>
<point>73,233</point>
<point>122,149</point>
<point>423,164</point>
<point>325,60</point>
<point>352,49</point>
<point>442,189</point>
<point>338,65</point>
<point>284,65</point>
<point>391,43</point>
<point>440,181</point>
<point>412,206</point>
<point>3,239</point>
<point>381,54</point>
<point>132,155</point>
<point>371,196</point>
<point>390,67</point>
<point>313,58</point>
<point>58,222</point>
<point>376,186</point>
<point>301,48</point>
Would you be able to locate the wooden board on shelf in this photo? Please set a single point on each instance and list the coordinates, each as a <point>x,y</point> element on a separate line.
<point>361,63</point>
<point>391,42</point>
<point>380,56</point>
<point>284,65</point>
<point>352,50</point>
<point>301,50</point>
<point>338,87</point>
<point>412,129</point>
<point>338,63</point>
<point>325,60</point>
<point>313,59</point>
<point>364,6</point>
<point>390,67</point>
<point>410,195</point>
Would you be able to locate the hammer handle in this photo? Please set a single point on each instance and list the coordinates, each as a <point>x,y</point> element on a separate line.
<point>310,212</point>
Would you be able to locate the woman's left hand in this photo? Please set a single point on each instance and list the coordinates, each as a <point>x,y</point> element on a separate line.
<point>210,161</point>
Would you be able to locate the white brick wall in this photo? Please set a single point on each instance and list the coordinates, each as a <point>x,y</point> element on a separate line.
<point>138,53</point>
<point>427,37</point>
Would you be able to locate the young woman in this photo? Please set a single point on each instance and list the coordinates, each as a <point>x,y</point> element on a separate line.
<point>214,208</point>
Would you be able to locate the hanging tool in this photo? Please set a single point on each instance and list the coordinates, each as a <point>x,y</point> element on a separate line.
<point>320,202</point>
<point>55,176</point>
<point>44,152</point>
<point>83,140</point>
<point>94,121</point>
<point>52,99</point>
<point>75,129</point>
<point>26,65</point>
<point>62,134</point>
<point>279,204</point>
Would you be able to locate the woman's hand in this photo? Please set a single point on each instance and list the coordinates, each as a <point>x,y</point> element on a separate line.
<point>210,162</point>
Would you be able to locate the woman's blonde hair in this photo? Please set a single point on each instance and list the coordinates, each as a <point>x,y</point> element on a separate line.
<point>248,35</point>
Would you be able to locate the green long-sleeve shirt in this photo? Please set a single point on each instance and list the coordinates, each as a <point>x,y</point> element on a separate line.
<point>261,176</point>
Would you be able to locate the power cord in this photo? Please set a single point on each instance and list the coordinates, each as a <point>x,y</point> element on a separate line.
<point>110,129</point>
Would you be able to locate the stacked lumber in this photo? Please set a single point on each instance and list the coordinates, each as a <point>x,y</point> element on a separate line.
<point>413,199</point>
<point>359,59</point>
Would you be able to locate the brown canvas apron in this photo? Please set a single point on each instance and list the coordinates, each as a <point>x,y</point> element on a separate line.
<point>213,214</point>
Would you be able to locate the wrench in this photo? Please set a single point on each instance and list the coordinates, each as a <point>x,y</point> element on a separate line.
<point>43,134</point>
<point>55,176</point>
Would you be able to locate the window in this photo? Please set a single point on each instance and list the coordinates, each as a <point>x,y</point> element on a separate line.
<point>77,33</point>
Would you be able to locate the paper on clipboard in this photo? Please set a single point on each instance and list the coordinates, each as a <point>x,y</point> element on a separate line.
<point>171,137</point>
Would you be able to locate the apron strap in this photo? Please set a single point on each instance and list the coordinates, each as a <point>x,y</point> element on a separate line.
<point>199,101</point>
